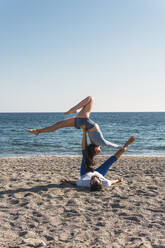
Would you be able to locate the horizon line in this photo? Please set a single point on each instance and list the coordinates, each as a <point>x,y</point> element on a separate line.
<point>17,112</point>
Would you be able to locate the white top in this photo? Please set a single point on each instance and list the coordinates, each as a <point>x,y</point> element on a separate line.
<point>85,179</point>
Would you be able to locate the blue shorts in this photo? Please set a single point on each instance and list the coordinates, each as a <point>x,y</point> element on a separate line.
<point>84,121</point>
<point>102,169</point>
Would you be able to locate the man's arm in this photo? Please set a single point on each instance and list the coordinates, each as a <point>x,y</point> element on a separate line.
<point>84,138</point>
<point>117,181</point>
<point>68,181</point>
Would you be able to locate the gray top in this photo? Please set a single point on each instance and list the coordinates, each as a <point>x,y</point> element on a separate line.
<point>96,137</point>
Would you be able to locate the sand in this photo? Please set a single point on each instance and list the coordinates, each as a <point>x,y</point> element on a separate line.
<point>37,211</point>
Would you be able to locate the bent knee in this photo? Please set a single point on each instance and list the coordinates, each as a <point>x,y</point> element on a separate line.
<point>90,98</point>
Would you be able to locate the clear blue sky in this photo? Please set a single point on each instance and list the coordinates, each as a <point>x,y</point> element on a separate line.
<point>53,53</point>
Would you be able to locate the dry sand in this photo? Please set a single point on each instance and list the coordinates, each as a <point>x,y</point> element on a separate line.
<point>37,211</point>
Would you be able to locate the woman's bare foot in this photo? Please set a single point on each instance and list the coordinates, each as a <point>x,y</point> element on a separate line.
<point>132,139</point>
<point>33,131</point>
<point>71,111</point>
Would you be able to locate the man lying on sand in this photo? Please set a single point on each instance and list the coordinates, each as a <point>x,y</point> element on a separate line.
<point>94,179</point>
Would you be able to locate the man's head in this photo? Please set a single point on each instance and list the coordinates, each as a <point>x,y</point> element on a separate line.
<point>95,184</point>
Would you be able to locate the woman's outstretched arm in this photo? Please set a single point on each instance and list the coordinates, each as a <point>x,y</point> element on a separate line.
<point>98,139</point>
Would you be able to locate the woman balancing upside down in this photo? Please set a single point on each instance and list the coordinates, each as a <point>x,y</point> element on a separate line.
<point>82,119</point>
<point>94,179</point>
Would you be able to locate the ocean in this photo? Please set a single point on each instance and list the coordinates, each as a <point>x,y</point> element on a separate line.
<point>147,127</point>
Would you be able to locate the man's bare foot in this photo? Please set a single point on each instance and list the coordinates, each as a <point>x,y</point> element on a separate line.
<point>120,152</point>
<point>132,139</point>
<point>71,111</point>
<point>33,131</point>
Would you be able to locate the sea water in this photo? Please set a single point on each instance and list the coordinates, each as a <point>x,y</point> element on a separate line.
<point>148,129</point>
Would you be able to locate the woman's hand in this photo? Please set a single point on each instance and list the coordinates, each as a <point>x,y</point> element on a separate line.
<point>83,127</point>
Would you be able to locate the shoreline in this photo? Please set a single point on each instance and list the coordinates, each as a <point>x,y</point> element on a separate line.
<point>79,156</point>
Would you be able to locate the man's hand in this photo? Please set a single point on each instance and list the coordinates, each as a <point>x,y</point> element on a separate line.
<point>68,181</point>
<point>117,181</point>
<point>64,180</point>
<point>120,179</point>
<point>83,127</point>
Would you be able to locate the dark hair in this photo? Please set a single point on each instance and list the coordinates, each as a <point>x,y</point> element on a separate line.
<point>89,157</point>
<point>97,186</point>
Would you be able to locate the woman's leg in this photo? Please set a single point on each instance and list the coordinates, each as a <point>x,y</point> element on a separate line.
<point>60,124</point>
<point>85,106</point>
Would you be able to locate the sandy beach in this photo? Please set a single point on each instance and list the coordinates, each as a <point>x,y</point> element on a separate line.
<point>37,211</point>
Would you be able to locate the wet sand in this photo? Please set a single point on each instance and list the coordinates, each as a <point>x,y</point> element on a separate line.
<point>37,211</point>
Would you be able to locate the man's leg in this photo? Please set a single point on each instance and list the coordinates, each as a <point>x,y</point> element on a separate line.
<point>120,152</point>
<point>60,124</point>
<point>85,106</point>
<point>103,169</point>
